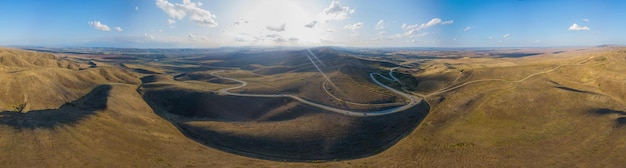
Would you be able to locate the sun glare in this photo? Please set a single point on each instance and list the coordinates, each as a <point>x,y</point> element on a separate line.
<point>277,20</point>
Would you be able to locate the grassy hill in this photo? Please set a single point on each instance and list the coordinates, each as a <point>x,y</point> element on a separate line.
<point>274,128</point>
<point>552,109</point>
<point>292,72</point>
<point>564,118</point>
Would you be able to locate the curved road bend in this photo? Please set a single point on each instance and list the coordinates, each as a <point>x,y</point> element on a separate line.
<point>413,100</point>
<point>393,78</point>
<point>504,80</point>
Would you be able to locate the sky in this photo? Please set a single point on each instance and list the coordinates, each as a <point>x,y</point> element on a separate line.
<point>356,23</point>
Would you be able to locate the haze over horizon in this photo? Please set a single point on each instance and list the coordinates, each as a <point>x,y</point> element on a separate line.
<point>204,23</point>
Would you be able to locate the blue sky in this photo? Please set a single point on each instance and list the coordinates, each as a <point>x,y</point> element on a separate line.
<point>389,23</point>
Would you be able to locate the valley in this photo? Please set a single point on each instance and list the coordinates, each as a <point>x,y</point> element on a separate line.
<point>322,106</point>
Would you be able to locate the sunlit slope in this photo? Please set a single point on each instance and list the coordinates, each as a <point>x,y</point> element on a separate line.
<point>111,127</point>
<point>571,116</point>
<point>87,118</point>
<point>571,113</point>
<point>15,60</point>
<point>38,81</point>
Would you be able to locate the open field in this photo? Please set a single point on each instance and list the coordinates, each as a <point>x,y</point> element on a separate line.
<point>547,107</point>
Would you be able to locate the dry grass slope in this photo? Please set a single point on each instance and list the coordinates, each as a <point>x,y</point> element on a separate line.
<point>275,128</point>
<point>58,113</point>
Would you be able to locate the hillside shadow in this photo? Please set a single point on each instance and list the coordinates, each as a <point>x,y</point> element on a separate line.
<point>575,90</point>
<point>604,111</point>
<point>357,137</point>
<point>68,114</point>
<point>367,136</point>
<point>621,121</point>
<point>272,129</point>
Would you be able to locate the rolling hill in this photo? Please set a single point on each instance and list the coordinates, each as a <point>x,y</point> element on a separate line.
<point>545,109</point>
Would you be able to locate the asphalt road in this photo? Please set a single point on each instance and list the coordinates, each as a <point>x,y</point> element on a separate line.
<point>413,100</point>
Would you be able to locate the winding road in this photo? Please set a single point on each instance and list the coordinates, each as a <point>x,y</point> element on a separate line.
<point>504,80</point>
<point>413,100</point>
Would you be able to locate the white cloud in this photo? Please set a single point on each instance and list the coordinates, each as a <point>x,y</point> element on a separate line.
<point>193,9</point>
<point>409,34</point>
<point>276,28</point>
<point>380,25</point>
<point>436,21</point>
<point>575,27</point>
<point>119,29</point>
<point>586,20</point>
<point>410,31</point>
<point>337,12</point>
<point>311,25</point>
<point>99,26</point>
<point>506,36</point>
<point>405,26</point>
<point>467,28</point>
<point>333,12</point>
<point>432,22</point>
<point>173,11</point>
<point>136,7</point>
<point>354,27</point>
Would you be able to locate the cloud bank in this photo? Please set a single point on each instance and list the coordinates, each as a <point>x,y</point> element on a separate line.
<point>337,12</point>
<point>192,9</point>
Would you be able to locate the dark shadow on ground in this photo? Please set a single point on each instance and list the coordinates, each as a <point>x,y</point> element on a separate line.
<point>144,71</point>
<point>575,90</point>
<point>621,121</point>
<point>604,111</point>
<point>280,129</point>
<point>363,136</point>
<point>368,136</point>
<point>68,114</point>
